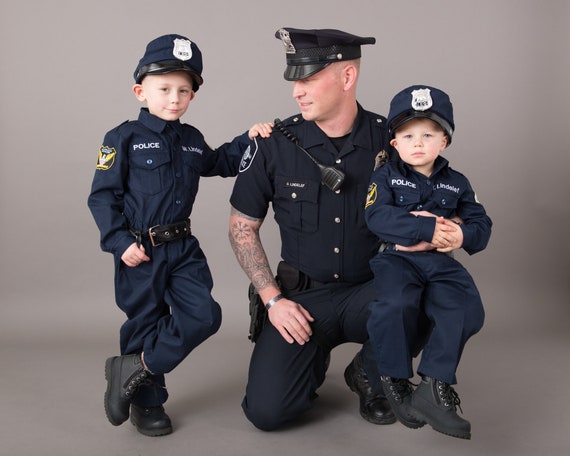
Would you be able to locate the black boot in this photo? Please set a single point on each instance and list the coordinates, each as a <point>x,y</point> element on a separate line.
<point>436,403</point>
<point>124,374</point>
<point>399,393</point>
<point>152,421</point>
<point>374,407</point>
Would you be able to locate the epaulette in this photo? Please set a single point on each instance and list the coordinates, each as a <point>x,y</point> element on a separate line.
<point>293,120</point>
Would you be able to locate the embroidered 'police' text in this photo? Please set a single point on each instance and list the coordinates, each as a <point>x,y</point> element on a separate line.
<point>403,183</point>
<point>146,146</point>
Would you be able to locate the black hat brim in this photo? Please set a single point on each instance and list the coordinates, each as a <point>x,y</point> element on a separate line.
<point>409,115</point>
<point>165,68</point>
<point>296,72</point>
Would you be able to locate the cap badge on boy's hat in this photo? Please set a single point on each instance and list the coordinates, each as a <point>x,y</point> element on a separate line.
<point>170,53</point>
<point>182,49</point>
<point>421,99</point>
<point>309,51</point>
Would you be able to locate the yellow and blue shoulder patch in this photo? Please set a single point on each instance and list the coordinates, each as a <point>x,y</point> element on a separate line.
<point>106,158</point>
<point>372,195</point>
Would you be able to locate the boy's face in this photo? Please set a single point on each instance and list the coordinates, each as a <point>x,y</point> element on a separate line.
<point>419,142</point>
<point>167,95</point>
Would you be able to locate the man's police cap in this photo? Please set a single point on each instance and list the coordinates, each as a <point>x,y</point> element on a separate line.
<point>169,53</point>
<point>421,101</point>
<point>309,51</point>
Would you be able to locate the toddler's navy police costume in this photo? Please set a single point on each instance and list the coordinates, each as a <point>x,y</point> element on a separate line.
<point>431,282</point>
<point>143,191</point>
<point>326,245</point>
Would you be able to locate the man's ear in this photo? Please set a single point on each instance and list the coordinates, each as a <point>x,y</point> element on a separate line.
<point>139,92</point>
<point>393,142</point>
<point>350,75</point>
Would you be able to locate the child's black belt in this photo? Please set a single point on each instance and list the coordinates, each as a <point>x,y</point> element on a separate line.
<point>159,234</point>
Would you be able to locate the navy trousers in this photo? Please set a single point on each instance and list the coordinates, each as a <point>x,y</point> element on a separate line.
<point>169,307</point>
<point>283,378</point>
<point>409,285</point>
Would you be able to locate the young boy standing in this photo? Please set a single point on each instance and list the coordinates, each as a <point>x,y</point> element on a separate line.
<point>411,202</point>
<point>142,195</point>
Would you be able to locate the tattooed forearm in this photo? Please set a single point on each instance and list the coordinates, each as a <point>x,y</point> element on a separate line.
<point>246,244</point>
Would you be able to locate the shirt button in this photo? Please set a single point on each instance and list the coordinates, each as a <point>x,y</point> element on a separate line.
<point>338,160</point>
<point>337,191</point>
<point>419,207</point>
<point>178,175</point>
<point>178,202</point>
<point>336,250</point>
<point>336,276</point>
<point>428,182</point>
<point>443,202</point>
<point>337,219</point>
<point>293,195</point>
<point>149,161</point>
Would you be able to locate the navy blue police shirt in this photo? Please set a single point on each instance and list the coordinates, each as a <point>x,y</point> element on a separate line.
<point>396,189</point>
<point>323,233</point>
<point>148,172</point>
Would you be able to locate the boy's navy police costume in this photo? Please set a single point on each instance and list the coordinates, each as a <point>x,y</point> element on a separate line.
<point>325,248</point>
<point>143,191</point>
<point>433,282</point>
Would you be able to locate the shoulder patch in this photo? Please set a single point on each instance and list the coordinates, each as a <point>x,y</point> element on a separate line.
<point>372,195</point>
<point>106,158</point>
<point>247,157</point>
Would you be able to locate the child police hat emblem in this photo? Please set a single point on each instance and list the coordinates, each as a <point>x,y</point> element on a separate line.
<point>421,99</point>
<point>182,49</point>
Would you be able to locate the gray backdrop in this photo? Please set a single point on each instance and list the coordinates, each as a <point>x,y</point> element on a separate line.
<point>66,79</point>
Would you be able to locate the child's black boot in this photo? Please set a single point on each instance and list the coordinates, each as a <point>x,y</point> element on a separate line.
<point>124,375</point>
<point>399,394</point>
<point>436,402</point>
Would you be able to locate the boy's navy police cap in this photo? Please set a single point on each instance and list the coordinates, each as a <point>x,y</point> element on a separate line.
<point>421,101</point>
<point>169,53</point>
<point>309,51</point>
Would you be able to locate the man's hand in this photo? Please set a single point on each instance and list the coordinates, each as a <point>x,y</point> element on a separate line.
<point>291,320</point>
<point>134,255</point>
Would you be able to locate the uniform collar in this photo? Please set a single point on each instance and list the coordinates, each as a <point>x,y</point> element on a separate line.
<point>156,124</point>
<point>358,137</point>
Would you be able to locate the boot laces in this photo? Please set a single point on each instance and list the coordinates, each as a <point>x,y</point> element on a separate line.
<point>399,387</point>
<point>448,395</point>
<point>140,378</point>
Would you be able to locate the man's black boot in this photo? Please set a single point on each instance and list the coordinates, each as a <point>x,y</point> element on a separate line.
<point>436,403</point>
<point>124,374</point>
<point>374,407</point>
<point>152,421</point>
<point>399,393</point>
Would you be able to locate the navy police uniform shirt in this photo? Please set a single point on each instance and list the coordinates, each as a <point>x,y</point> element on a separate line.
<point>148,172</point>
<point>396,189</point>
<point>323,233</point>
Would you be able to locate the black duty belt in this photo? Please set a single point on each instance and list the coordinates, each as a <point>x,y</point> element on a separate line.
<point>292,280</point>
<point>159,234</point>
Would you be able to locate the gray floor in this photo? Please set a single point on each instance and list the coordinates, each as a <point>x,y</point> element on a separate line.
<point>513,390</point>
